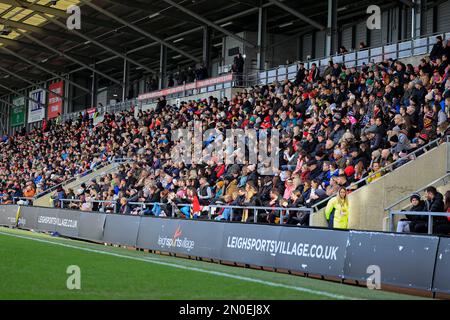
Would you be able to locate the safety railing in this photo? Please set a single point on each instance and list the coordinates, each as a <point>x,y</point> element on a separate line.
<point>430,216</point>
<point>389,168</point>
<point>83,174</point>
<point>399,50</point>
<point>444,180</point>
<point>113,205</point>
<point>26,201</point>
<point>283,212</point>
<point>146,208</point>
<point>101,110</point>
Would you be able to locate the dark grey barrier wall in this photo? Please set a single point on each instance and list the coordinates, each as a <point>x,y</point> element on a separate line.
<point>28,218</point>
<point>442,270</point>
<point>313,251</point>
<point>412,261</point>
<point>120,229</point>
<point>8,215</point>
<point>251,244</point>
<point>404,260</point>
<point>65,222</point>
<point>200,239</point>
<point>91,226</point>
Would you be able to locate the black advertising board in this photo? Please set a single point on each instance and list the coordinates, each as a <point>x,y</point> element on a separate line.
<point>442,270</point>
<point>121,229</point>
<point>403,260</point>
<point>196,238</point>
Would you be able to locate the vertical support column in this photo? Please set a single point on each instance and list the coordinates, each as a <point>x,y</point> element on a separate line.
<point>94,89</point>
<point>124,79</point>
<point>67,99</point>
<point>162,67</point>
<point>332,39</point>
<point>416,19</point>
<point>207,48</point>
<point>262,38</point>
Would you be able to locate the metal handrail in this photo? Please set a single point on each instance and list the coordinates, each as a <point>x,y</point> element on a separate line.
<point>400,161</point>
<point>207,207</point>
<point>344,58</point>
<point>83,174</point>
<point>430,215</point>
<point>417,191</point>
<point>255,210</point>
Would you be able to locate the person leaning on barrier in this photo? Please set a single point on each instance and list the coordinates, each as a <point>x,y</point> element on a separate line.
<point>409,224</point>
<point>337,210</point>
<point>300,218</point>
<point>434,203</point>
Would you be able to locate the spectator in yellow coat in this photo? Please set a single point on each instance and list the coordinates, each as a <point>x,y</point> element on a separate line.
<point>337,210</point>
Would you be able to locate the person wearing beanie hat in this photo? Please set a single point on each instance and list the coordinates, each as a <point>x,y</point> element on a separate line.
<point>412,221</point>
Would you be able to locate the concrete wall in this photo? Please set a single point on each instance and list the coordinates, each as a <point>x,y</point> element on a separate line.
<point>46,201</point>
<point>368,203</point>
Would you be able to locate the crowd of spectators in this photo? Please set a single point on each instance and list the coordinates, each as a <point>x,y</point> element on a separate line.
<point>434,202</point>
<point>338,126</point>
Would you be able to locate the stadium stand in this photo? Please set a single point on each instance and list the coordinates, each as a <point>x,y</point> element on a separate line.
<point>339,126</point>
<point>357,120</point>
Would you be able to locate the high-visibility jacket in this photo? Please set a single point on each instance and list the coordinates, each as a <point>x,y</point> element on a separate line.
<point>341,212</point>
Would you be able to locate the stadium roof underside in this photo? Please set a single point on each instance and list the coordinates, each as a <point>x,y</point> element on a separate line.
<point>39,45</point>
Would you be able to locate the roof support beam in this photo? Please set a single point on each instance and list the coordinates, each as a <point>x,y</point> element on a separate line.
<point>30,82</point>
<point>21,95</point>
<point>152,10</point>
<point>67,56</point>
<point>297,14</point>
<point>210,23</point>
<point>409,3</point>
<point>39,30</point>
<point>44,69</point>
<point>58,13</point>
<point>89,39</point>
<point>137,29</point>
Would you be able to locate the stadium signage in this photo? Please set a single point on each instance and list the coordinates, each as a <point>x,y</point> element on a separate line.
<point>17,115</point>
<point>191,86</point>
<point>55,102</point>
<point>342,254</point>
<point>36,110</point>
<point>58,222</point>
<point>282,247</point>
<point>176,241</point>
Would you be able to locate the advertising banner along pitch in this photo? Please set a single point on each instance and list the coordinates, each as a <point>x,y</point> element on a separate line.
<point>17,115</point>
<point>36,111</point>
<point>8,215</point>
<point>198,238</point>
<point>55,103</point>
<point>441,275</point>
<point>402,260</point>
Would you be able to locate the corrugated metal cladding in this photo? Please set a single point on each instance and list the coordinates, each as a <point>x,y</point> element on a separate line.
<point>346,39</point>
<point>375,38</point>
<point>408,23</point>
<point>361,33</point>
<point>443,17</point>
<point>307,46</point>
<point>385,24</point>
<point>393,27</point>
<point>320,44</point>
<point>427,22</point>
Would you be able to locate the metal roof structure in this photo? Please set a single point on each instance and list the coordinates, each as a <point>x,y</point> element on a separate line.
<point>37,44</point>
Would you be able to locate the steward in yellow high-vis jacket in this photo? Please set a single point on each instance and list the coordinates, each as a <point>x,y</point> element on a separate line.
<point>337,210</point>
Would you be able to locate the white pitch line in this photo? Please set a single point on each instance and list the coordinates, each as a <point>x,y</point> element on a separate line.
<point>173,265</point>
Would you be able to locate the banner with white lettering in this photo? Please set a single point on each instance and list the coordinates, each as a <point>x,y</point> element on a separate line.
<point>36,108</point>
<point>55,102</point>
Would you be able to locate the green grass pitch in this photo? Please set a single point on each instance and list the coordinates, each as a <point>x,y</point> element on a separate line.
<point>34,266</point>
